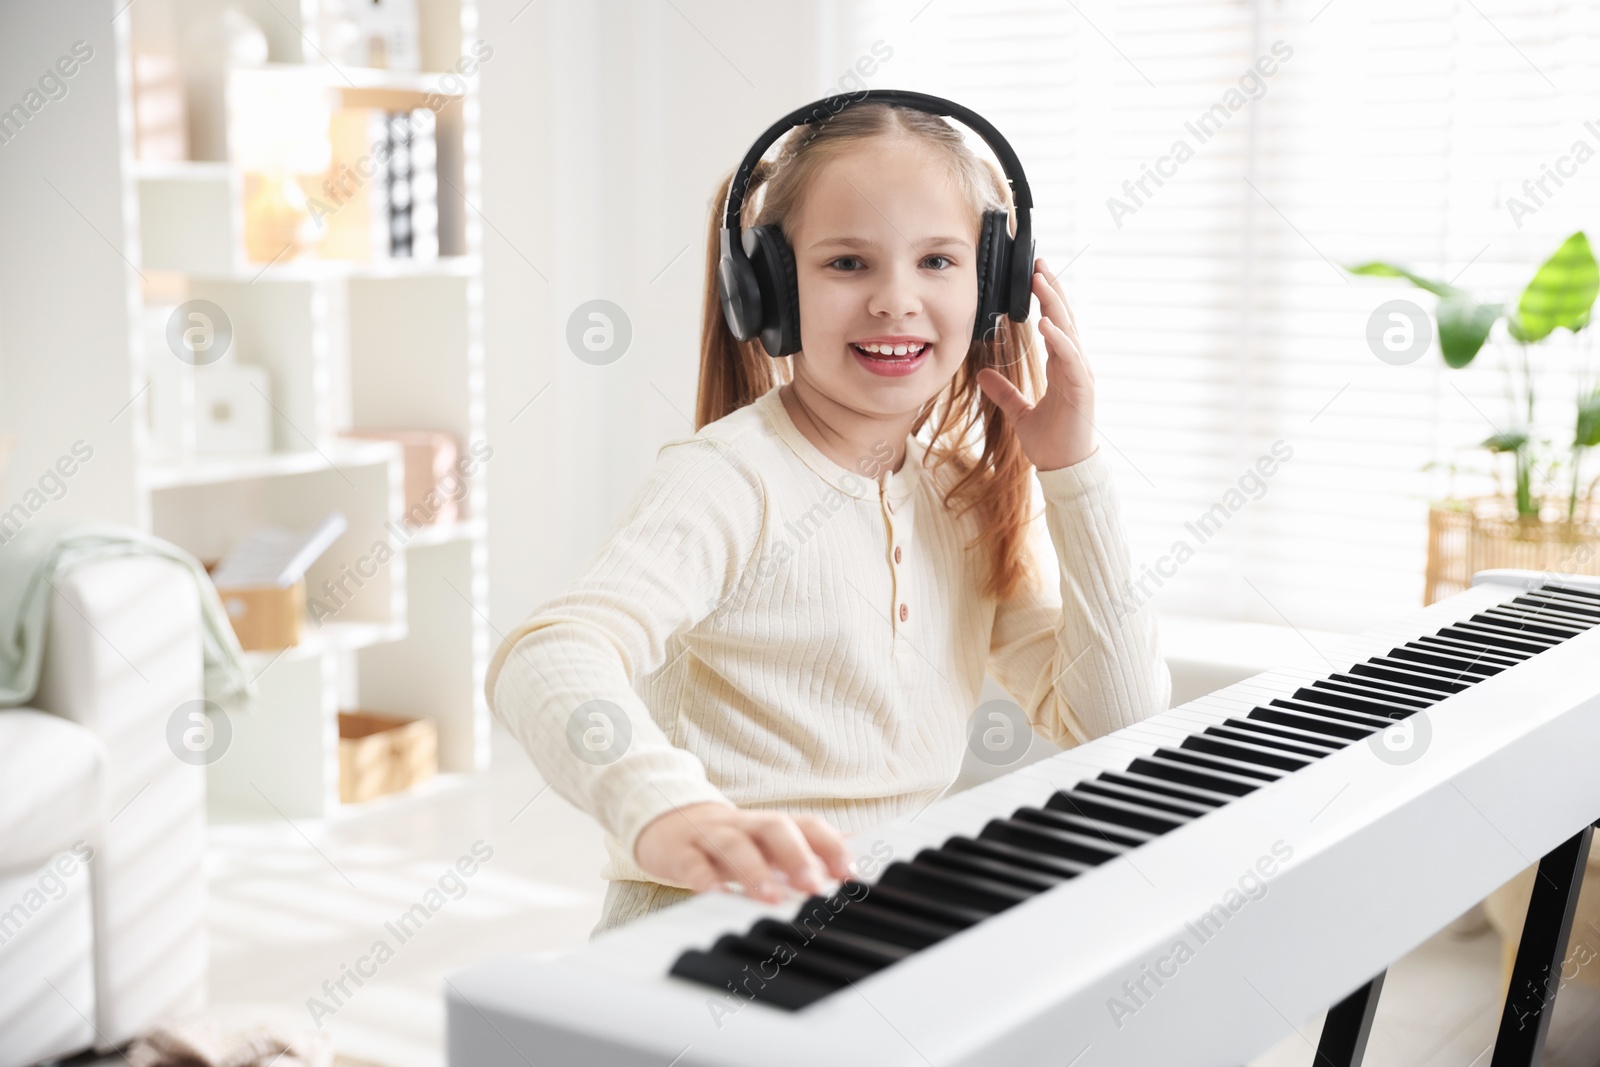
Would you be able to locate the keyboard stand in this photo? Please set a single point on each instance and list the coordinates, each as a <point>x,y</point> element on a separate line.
<point>1536,976</point>
<point>1348,1025</point>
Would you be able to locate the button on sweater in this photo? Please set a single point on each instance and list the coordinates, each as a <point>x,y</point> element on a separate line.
<point>768,629</point>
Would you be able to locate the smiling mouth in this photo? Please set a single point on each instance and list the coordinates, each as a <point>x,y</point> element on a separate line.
<point>903,353</point>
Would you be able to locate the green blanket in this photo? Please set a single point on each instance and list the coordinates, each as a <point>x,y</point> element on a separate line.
<point>42,553</point>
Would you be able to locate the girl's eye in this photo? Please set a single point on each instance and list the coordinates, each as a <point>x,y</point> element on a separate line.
<point>856,259</point>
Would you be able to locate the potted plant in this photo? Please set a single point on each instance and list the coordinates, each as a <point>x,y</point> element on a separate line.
<point>1551,531</point>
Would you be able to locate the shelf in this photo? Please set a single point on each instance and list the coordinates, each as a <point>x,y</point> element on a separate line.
<point>330,637</point>
<point>271,465</point>
<point>445,534</point>
<point>181,170</point>
<point>324,269</point>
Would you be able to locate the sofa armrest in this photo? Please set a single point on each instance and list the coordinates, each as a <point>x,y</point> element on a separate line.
<point>122,654</point>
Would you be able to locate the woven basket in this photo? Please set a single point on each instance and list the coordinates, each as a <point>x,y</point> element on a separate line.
<point>1481,533</point>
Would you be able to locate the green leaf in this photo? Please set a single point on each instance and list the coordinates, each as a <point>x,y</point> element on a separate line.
<point>1587,434</point>
<point>1562,291</point>
<point>1510,441</point>
<point>1379,269</point>
<point>1464,325</point>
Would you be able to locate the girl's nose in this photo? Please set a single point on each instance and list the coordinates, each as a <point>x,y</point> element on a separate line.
<point>896,294</point>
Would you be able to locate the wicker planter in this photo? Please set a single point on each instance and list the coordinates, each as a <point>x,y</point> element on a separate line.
<point>1467,536</point>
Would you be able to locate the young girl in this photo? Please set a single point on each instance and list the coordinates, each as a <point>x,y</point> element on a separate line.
<point>783,640</point>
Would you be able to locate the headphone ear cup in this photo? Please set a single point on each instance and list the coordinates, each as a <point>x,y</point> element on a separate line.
<point>1022,280</point>
<point>994,246</point>
<point>740,294</point>
<point>773,263</point>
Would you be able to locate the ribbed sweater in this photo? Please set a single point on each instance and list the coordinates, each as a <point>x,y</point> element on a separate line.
<point>769,629</point>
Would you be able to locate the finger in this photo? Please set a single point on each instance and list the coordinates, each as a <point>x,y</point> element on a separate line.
<point>699,872</point>
<point>737,852</point>
<point>1066,365</point>
<point>789,851</point>
<point>1053,301</point>
<point>828,844</point>
<point>1006,396</point>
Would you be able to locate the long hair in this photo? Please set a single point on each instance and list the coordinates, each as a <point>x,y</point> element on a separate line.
<point>997,483</point>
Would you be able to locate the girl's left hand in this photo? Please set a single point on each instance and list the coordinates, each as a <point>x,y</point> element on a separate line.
<point>1058,431</point>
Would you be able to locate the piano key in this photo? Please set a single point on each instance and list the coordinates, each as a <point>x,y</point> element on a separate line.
<point>868,950</point>
<point>1316,706</point>
<point>1379,689</point>
<point>1198,794</point>
<point>1047,839</point>
<point>1122,813</point>
<point>907,901</point>
<point>1082,824</point>
<point>1439,679</point>
<point>1314,723</point>
<point>1033,880</point>
<point>1372,702</point>
<point>1562,604</point>
<point>1280,733</point>
<point>1102,787</point>
<point>1156,767</point>
<point>1495,637</point>
<point>895,926</point>
<point>1434,656</point>
<point>1244,752</point>
<point>813,961</point>
<point>1529,621</point>
<point>1479,651</point>
<point>1041,861</point>
<point>786,990</point>
<point>968,890</point>
<point>1208,762</point>
<point>1566,613</point>
<point>1572,590</point>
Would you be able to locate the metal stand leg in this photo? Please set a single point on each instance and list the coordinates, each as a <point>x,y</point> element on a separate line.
<point>1536,975</point>
<point>1349,1023</point>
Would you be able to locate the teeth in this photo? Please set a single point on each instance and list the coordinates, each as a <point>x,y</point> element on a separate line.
<point>893,350</point>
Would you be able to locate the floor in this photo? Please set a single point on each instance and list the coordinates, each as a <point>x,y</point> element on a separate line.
<point>294,907</point>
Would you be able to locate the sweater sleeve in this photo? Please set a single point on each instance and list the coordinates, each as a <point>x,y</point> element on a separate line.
<point>562,682</point>
<point>1080,662</point>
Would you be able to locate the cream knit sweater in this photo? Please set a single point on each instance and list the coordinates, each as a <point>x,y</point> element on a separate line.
<point>769,629</point>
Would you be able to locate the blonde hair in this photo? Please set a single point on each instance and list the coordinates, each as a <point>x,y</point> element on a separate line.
<point>997,482</point>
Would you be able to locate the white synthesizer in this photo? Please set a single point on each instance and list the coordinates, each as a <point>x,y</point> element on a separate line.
<point>1180,893</point>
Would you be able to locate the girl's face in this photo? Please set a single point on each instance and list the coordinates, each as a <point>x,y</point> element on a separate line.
<point>885,254</point>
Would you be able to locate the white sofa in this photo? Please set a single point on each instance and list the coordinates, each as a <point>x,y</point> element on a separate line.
<point>102,827</point>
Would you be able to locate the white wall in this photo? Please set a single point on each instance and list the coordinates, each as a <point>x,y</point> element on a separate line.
<point>606,127</point>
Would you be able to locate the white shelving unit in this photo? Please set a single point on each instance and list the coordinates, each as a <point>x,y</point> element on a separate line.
<point>384,344</point>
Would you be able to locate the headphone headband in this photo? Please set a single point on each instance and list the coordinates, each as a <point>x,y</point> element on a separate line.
<point>1021,195</point>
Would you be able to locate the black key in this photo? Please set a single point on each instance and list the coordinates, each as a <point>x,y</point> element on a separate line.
<point>1332,728</point>
<point>1433,656</point>
<point>1141,796</point>
<point>1566,605</point>
<point>1570,590</point>
<point>1413,674</point>
<point>1514,630</point>
<point>1328,711</point>
<point>1218,763</point>
<point>1372,703</point>
<point>1244,753</point>
<point>1321,742</point>
<point>879,922</point>
<point>1034,881</point>
<point>1187,775</point>
<point>1495,638</point>
<point>1126,813</point>
<point>1566,624</point>
<point>898,898</point>
<point>1021,857</point>
<point>790,990</point>
<point>1530,621</point>
<point>868,950</point>
<point>1478,650</point>
<point>1043,838</point>
<point>1379,689</point>
<point>817,964</point>
<point>1098,828</point>
<point>1209,797</point>
<point>967,890</point>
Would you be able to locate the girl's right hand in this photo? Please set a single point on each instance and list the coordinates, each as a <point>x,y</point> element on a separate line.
<point>707,844</point>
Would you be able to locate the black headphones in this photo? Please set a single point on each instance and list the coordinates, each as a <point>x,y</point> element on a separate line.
<point>756,272</point>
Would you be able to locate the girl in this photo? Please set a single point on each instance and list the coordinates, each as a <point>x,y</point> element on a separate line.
<point>784,638</point>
